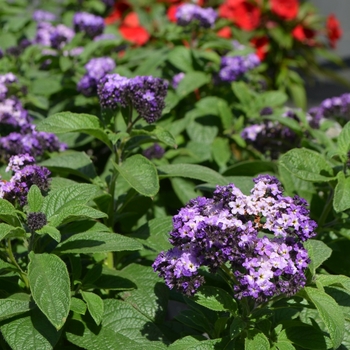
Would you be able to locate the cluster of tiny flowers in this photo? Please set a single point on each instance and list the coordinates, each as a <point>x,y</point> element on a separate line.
<point>233,68</point>
<point>6,79</point>
<point>176,79</point>
<point>105,36</point>
<point>331,108</point>
<point>259,235</point>
<point>271,137</point>
<point>36,221</point>
<point>43,16</point>
<point>156,151</point>
<point>53,36</point>
<point>190,13</point>
<point>88,23</point>
<point>144,93</point>
<point>96,69</point>
<point>25,174</point>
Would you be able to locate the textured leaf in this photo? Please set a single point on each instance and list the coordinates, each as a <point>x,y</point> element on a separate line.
<point>328,280</point>
<point>51,231</point>
<point>192,171</point>
<point>250,168</point>
<point>181,58</point>
<point>31,331</point>
<point>74,122</point>
<point>157,132</point>
<point>216,299</point>
<point>140,174</point>
<point>50,286</point>
<point>256,340</point>
<point>78,306</point>
<point>191,81</point>
<point>8,213</point>
<point>5,229</point>
<point>191,343</point>
<point>341,200</point>
<point>11,307</point>
<point>307,165</point>
<point>344,140</point>
<point>35,199</point>
<point>95,305</point>
<point>318,253</point>
<point>221,151</point>
<point>92,242</point>
<point>330,313</point>
<point>184,189</point>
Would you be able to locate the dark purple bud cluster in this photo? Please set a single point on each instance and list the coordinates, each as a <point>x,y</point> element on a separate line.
<point>43,16</point>
<point>233,68</point>
<point>25,175</point>
<point>88,23</point>
<point>260,236</point>
<point>51,36</point>
<point>36,221</point>
<point>191,13</point>
<point>176,79</point>
<point>156,151</point>
<point>331,108</point>
<point>96,69</point>
<point>271,137</point>
<point>144,93</point>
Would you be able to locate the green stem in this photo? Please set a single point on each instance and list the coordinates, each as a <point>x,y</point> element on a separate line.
<point>14,261</point>
<point>327,208</point>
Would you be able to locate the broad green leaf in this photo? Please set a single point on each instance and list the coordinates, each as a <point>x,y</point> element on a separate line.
<point>244,183</point>
<point>110,279</point>
<point>64,122</point>
<point>216,299</point>
<point>284,345</point>
<point>221,151</point>
<point>181,58</point>
<point>68,196</point>
<point>5,229</point>
<point>341,200</point>
<point>8,212</point>
<point>318,253</point>
<point>330,313</point>
<point>273,98</point>
<point>192,171</point>
<point>35,199</point>
<point>307,165</point>
<point>328,280</point>
<point>31,331</point>
<point>237,327</point>
<point>200,132</point>
<point>46,86</point>
<point>95,305</point>
<point>157,132</point>
<point>71,162</point>
<point>151,63</point>
<point>11,307</point>
<point>192,343</point>
<point>92,242</point>
<point>191,82</point>
<point>251,168</point>
<point>50,286</point>
<point>344,140</point>
<point>78,306</point>
<point>184,189</point>
<point>51,231</point>
<point>194,320</point>
<point>6,266</point>
<point>256,340</point>
<point>140,174</point>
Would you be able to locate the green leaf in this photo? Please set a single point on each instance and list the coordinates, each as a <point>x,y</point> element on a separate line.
<point>74,122</point>
<point>51,231</point>
<point>307,165</point>
<point>140,174</point>
<point>184,189</point>
<point>318,253</point>
<point>237,327</point>
<point>50,286</point>
<point>157,132</point>
<point>78,306</point>
<point>192,343</point>
<point>221,151</point>
<point>35,199</point>
<point>344,140</point>
<point>328,280</point>
<point>192,171</point>
<point>341,200</point>
<point>95,305</point>
<point>11,307</point>
<point>330,313</point>
<point>256,340</point>
<point>92,242</point>
<point>191,82</point>
<point>71,162</point>
<point>181,58</point>
<point>31,331</point>
<point>68,196</point>
<point>216,299</point>
<point>8,213</point>
<point>151,63</point>
<point>46,85</point>
<point>5,229</point>
<point>251,168</point>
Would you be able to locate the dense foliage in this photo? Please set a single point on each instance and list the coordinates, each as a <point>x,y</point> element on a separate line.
<point>156,191</point>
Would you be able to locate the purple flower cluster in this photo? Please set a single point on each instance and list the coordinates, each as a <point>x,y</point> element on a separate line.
<point>156,151</point>
<point>55,37</point>
<point>43,16</point>
<point>233,67</point>
<point>88,23</point>
<point>5,80</point>
<point>190,13</point>
<point>25,175</point>
<point>96,69</point>
<point>259,235</point>
<point>176,79</point>
<point>331,108</point>
<point>144,93</point>
<point>271,137</point>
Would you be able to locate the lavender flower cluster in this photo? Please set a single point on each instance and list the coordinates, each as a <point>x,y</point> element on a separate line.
<point>52,36</point>
<point>96,69</point>
<point>271,137</point>
<point>156,151</point>
<point>234,67</point>
<point>25,174</point>
<point>190,13</point>
<point>43,16</point>
<point>18,134</point>
<point>176,79</point>
<point>330,108</point>
<point>260,236</point>
<point>88,23</point>
<point>144,93</point>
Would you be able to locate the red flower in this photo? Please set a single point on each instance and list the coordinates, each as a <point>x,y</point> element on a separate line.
<point>120,7</point>
<point>132,31</point>
<point>244,14</point>
<point>334,31</point>
<point>171,13</point>
<point>224,32</point>
<point>304,35</point>
<point>286,9</point>
<point>261,45</point>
